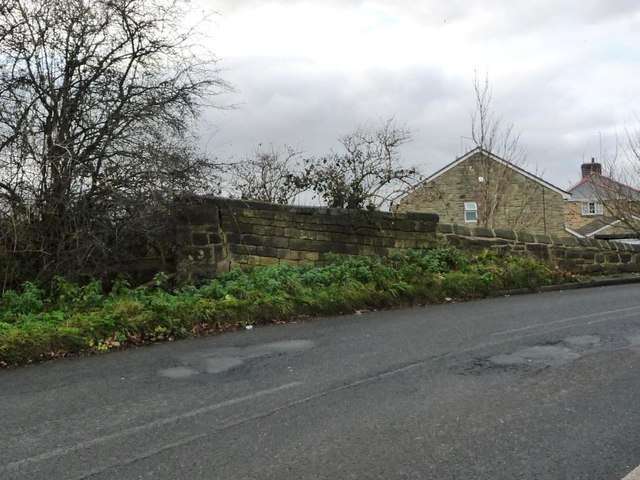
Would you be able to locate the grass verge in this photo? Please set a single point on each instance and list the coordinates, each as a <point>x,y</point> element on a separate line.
<point>70,319</point>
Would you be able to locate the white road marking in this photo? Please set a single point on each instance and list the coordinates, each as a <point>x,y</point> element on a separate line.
<point>147,426</point>
<point>563,320</point>
<point>635,475</point>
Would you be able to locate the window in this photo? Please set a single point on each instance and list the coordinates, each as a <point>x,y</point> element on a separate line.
<point>591,208</point>
<point>470,212</point>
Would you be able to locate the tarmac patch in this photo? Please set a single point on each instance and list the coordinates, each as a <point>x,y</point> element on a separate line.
<point>224,359</point>
<point>537,357</point>
<point>549,355</point>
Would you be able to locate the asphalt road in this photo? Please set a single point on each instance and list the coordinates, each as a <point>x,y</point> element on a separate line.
<point>541,386</point>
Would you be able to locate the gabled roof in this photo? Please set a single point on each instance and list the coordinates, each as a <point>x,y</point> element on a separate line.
<point>585,188</point>
<point>502,161</point>
<point>596,226</point>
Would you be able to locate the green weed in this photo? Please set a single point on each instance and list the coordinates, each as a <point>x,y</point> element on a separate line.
<point>72,318</point>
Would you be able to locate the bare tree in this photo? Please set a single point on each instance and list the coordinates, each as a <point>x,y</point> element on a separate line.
<point>492,181</point>
<point>266,174</point>
<point>368,173</point>
<point>618,190</point>
<point>96,97</point>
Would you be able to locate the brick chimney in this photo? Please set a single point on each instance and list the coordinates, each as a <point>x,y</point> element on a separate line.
<point>589,168</point>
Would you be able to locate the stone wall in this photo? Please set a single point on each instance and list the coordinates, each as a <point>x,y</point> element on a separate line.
<point>216,234</point>
<point>577,255</point>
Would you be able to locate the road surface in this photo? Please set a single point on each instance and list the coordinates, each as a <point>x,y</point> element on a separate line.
<point>540,386</point>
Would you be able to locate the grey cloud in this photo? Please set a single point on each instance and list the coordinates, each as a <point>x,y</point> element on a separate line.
<point>558,107</point>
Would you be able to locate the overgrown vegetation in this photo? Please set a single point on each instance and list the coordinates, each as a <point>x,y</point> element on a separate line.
<point>97,103</point>
<point>69,319</point>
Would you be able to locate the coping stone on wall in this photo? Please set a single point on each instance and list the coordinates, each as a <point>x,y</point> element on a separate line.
<point>542,238</point>
<point>444,228</point>
<point>526,237</point>
<point>504,233</point>
<point>461,230</point>
<point>483,232</point>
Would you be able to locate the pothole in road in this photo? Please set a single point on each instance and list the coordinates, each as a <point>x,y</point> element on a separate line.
<point>538,356</point>
<point>224,359</point>
<point>583,341</point>
<point>549,355</point>
<point>634,340</point>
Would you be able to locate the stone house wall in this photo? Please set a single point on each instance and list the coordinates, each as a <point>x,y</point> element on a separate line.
<point>573,215</point>
<point>525,204</point>
<point>575,221</point>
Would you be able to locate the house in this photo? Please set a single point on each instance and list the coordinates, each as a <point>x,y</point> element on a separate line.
<point>482,189</point>
<point>601,207</point>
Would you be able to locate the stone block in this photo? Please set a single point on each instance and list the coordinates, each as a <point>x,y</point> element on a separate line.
<point>249,239</point>
<point>266,251</point>
<point>625,257</point>
<point>233,237</point>
<point>242,248</point>
<point>629,267</point>
<point>503,248</point>
<point>422,217</point>
<point>219,252</point>
<point>289,261</point>
<point>254,260</point>
<point>311,256</point>
<point>215,238</point>
<point>282,216</point>
<point>269,261</point>
<point>454,240</point>
<point>613,258</point>
<point>183,235</point>
<point>444,228</point>
<point>571,266</point>
<point>570,241</point>
<point>276,242</point>
<point>294,255</point>
<point>292,232</point>
<point>200,238</point>
<point>335,228</point>
<point>526,237</point>
<point>503,233</point>
<point>263,230</point>
<point>425,227</point>
<point>307,219</point>
<point>541,238</point>
<point>242,227</point>
<point>461,230</point>
<point>247,213</point>
<point>540,251</point>
<point>383,242</point>
<point>588,255</point>
<point>351,249</point>
<point>597,268</point>
<point>482,232</point>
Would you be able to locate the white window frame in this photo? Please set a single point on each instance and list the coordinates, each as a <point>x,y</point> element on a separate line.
<point>590,209</point>
<point>470,208</point>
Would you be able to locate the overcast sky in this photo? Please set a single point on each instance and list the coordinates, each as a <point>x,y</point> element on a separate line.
<point>305,72</point>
